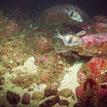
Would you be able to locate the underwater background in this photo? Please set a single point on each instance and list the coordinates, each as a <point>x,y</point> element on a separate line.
<point>53,53</point>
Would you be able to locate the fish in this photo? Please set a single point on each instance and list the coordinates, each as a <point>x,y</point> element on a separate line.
<point>71,39</point>
<point>74,15</point>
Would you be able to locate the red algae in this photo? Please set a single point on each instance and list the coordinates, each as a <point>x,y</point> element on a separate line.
<point>97,65</point>
<point>80,91</point>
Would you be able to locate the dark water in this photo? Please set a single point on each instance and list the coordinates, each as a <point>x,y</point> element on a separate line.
<point>33,7</point>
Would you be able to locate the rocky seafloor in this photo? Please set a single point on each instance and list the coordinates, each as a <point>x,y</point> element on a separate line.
<point>58,61</point>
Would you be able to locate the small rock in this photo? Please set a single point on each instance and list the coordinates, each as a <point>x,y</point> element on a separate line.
<point>49,91</point>
<point>63,102</point>
<point>50,102</point>
<point>37,95</point>
<point>26,99</point>
<point>66,92</point>
<point>12,97</point>
<point>2,105</point>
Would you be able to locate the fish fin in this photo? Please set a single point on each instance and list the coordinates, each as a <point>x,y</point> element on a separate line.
<point>81,33</point>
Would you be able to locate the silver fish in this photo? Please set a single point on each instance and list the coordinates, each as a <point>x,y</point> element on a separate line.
<point>70,40</point>
<point>74,15</point>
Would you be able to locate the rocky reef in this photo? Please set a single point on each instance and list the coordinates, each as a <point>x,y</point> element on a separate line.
<point>59,61</point>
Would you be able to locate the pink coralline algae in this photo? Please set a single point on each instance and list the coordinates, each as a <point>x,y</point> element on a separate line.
<point>95,39</point>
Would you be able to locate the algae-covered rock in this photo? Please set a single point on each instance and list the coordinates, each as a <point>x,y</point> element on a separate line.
<point>36,95</point>
<point>66,93</point>
<point>100,24</point>
<point>40,40</point>
<point>14,52</point>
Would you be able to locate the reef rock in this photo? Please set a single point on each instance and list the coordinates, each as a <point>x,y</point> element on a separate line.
<point>12,97</point>
<point>26,99</point>
<point>40,40</point>
<point>97,25</point>
<point>100,24</point>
